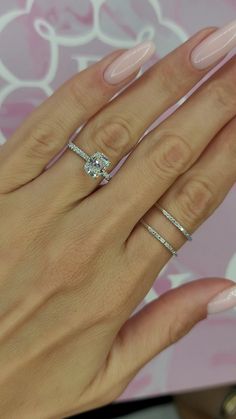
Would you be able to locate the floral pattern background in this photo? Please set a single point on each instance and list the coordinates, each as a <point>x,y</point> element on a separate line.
<point>43,43</point>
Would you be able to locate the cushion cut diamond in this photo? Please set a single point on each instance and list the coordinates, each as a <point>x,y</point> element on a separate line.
<point>96,164</point>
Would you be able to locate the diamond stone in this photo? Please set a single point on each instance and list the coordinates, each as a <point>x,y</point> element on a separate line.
<point>96,164</point>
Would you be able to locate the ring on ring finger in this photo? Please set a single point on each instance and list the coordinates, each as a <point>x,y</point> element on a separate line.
<point>95,165</point>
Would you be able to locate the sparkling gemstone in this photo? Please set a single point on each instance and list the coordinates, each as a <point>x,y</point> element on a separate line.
<point>96,164</point>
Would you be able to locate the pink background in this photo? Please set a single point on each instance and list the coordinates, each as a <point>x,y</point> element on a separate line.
<point>42,43</point>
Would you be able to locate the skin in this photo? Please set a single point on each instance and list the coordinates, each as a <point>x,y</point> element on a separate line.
<point>75,262</point>
<point>204,404</point>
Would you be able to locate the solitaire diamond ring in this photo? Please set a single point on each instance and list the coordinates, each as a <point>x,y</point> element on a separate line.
<point>95,165</point>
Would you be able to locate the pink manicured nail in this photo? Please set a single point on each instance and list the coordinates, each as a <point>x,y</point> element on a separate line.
<point>214,47</point>
<point>223,301</point>
<point>129,62</point>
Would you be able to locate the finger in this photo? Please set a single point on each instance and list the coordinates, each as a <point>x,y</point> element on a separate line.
<point>157,326</point>
<point>163,322</point>
<point>115,129</point>
<point>192,199</point>
<point>171,149</point>
<point>44,134</point>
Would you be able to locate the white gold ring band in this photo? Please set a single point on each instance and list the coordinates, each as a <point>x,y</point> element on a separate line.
<point>160,238</point>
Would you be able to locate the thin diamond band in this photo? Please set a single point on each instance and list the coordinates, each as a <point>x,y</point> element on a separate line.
<point>158,237</point>
<point>174,222</point>
<point>95,165</point>
<point>78,151</point>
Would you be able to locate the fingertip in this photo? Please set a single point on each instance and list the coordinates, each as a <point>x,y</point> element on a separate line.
<point>129,62</point>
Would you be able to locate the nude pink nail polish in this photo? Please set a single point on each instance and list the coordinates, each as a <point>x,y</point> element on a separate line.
<point>223,301</point>
<point>215,47</point>
<point>129,62</point>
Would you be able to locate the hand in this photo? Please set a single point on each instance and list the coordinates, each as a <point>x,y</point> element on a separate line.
<point>75,261</point>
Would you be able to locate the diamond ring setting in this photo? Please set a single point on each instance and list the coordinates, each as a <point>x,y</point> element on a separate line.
<point>95,165</point>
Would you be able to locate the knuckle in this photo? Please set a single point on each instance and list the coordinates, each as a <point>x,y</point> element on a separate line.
<point>79,97</point>
<point>223,94</point>
<point>171,156</point>
<point>114,137</point>
<point>42,142</point>
<point>177,329</point>
<point>171,78</point>
<point>196,200</point>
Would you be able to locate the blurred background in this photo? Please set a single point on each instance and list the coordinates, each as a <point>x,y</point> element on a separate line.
<point>43,43</point>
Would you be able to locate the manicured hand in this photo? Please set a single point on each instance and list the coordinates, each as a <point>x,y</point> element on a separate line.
<point>75,260</point>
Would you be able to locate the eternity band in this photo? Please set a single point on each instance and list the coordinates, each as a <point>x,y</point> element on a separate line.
<point>158,237</point>
<point>161,239</point>
<point>95,165</point>
<point>174,222</point>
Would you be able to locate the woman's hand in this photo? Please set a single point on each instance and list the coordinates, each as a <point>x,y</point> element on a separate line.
<point>75,261</point>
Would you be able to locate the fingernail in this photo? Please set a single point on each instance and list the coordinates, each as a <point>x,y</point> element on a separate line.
<point>129,62</point>
<point>223,301</point>
<point>214,47</point>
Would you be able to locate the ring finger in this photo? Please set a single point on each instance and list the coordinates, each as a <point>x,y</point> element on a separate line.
<point>116,129</point>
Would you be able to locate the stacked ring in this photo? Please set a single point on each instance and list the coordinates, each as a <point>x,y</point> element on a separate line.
<point>161,239</point>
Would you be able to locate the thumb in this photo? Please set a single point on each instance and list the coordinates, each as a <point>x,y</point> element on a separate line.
<point>160,324</point>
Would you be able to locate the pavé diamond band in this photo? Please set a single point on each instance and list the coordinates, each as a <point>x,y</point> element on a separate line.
<point>174,222</point>
<point>95,165</point>
<point>158,237</point>
<point>161,239</point>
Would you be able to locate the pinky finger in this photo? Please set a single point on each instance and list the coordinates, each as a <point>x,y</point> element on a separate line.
<point>158,325</point>
<point>148,332</point>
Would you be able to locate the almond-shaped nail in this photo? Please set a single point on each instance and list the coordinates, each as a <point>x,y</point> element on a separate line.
<point>215,47</point>
<point>223,301</point>
<point>129,62</point>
